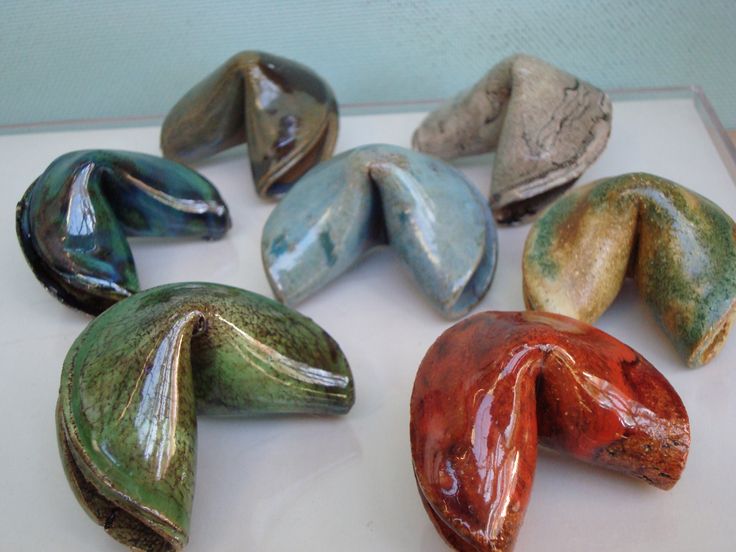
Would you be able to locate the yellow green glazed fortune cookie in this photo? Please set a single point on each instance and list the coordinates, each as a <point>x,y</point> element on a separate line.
<point>679,247</point>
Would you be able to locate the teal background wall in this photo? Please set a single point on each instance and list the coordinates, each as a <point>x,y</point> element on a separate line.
<point>105,58</point>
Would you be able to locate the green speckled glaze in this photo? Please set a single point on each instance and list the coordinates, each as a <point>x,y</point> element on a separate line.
<point>284,111</point>
<point>136,377</point>
<point>73,221</point>
<point>679,247</point>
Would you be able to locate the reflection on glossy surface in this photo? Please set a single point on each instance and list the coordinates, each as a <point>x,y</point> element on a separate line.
<point>73,221</point>
<point>425,210</point>
<point>494,384</point>
<point>679,247</point>
<point>135,378</point>
<point>546,127</point>
<point>283,110</point>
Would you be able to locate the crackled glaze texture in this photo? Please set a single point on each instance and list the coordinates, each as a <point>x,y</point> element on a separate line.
<point>284,111</point>
<point>546,127</point>
<point>679,247</point>
<point>374,195</point>
<point>498,383</point>
<point>135,379</point>
<point>73,220</point>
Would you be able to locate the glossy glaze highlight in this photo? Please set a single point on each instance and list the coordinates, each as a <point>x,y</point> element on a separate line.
<point>545,126</point>
<point>679,247</point>
<point>497,384</point>
<point>284,111</point>
<point>134,380</point>
<point>376,195</point>
<point>73,221</point>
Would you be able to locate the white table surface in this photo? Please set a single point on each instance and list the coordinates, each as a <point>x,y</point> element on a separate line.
<point>346,483</point>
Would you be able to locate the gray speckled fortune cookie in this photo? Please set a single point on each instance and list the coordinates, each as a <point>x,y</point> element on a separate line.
<point>435,220</point>
<point>284,111</point>
<point>546,127</point>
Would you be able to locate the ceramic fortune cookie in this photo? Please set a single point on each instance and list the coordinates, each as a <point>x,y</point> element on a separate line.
<point>136,377</point>
<point>546,127</point>
<point>283,110</point>
<point>73,221</point>
<point>679,247</point>
<point>496,384</point>
<point>425,210</point>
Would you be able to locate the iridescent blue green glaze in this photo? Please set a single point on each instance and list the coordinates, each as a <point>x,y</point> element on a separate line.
<point>284,111</point>
<point>73,220</point>
<point>679,247</point>
<point>424,209</point>
<point>135,379</point>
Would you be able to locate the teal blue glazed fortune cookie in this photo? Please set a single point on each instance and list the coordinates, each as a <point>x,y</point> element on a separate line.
<point>73,220</point>
<point>424,209</point>
<point>135,379</point>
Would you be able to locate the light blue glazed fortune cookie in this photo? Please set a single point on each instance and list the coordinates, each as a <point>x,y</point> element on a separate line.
<point>435,220</point>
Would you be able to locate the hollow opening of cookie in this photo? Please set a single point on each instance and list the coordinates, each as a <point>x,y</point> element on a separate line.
<point>711,346</point>
<point>200,326</point>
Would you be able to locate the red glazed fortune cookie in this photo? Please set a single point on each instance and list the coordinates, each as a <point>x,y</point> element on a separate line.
<point>495,384</point>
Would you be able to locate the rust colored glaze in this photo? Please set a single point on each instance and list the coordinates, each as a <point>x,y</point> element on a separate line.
<point>496,384</point>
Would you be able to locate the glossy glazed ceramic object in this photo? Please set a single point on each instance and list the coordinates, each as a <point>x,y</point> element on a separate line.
<point>283,110</point>
<point>135,379</point>
<point>425,210</point>
<point>73,221</point>
<point>546,127</point>
<point>496,384</point>
<point>679,247</point>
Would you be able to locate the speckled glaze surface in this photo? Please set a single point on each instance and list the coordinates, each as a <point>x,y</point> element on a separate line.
<point>136,377</point>
<point>425,210</point>
<point>73,220</point>
<point>283,110</point>
<point>546,127</point>
<point>497,384</point>
<point>679,247</point>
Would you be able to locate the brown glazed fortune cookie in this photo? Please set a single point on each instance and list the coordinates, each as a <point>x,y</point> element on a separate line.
<point>496,384</point>
<point>546,127</point>
<point>283,110</point>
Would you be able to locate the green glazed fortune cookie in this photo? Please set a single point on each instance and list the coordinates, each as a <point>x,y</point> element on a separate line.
<point>135,379</point>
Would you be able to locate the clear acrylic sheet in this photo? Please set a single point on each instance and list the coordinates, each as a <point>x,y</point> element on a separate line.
<point>347,483</point>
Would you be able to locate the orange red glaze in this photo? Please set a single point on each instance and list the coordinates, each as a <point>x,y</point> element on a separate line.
<point>496,384</point>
